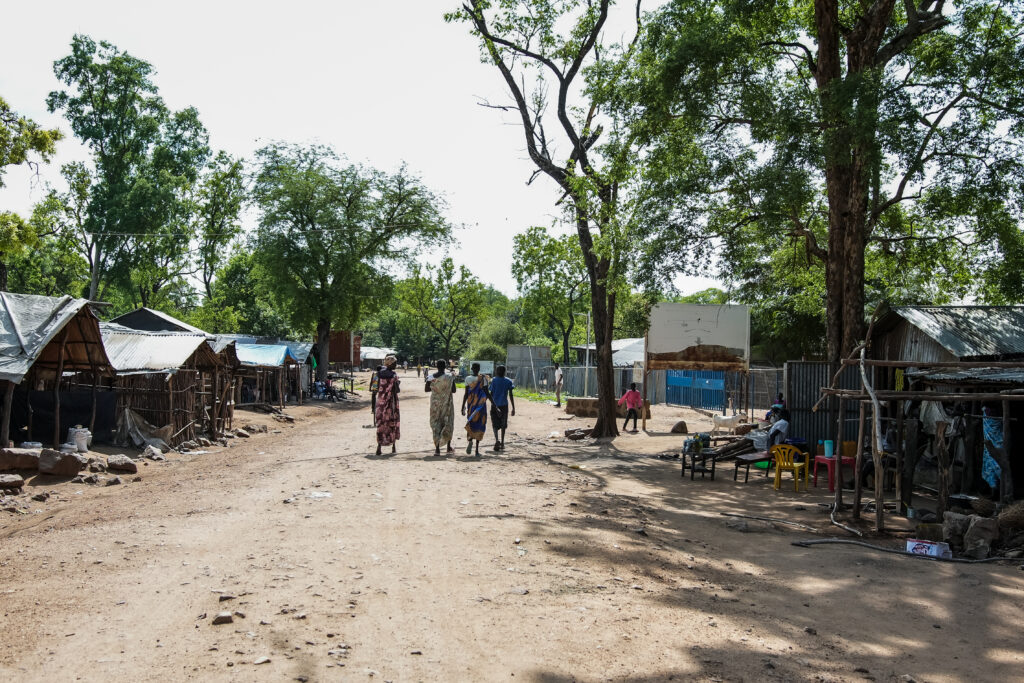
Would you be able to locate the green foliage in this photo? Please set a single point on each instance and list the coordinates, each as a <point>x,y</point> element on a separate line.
<point>762,140</point>
<point>444,300</point>
<point>492,339</point>
<point>137,224</point>
<point>20,138</point>
<point>241,295</point>
<point>219,202</point>
<point>329,230</point>
<point>552,281</point>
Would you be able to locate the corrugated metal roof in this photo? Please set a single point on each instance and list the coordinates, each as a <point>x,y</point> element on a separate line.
<point>29,322</point>
<point>134,351</point>
<point>970,331</point>
<point>970,376</point>
<point>264,355</point>
<point>179,325</point>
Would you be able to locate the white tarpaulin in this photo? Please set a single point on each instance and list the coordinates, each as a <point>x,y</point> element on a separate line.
<point>711,336</point>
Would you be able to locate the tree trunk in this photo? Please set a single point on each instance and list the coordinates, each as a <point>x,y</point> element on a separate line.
<point>3,276</point>
<point>323,347</point>
<point>603,308</point>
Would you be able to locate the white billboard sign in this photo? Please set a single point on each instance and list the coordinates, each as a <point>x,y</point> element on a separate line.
<point>699,336</point>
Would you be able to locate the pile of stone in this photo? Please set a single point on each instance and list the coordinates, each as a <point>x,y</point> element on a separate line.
<point>977,536</point>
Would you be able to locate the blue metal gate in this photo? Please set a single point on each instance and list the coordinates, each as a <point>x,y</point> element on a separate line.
<point>696,388</point>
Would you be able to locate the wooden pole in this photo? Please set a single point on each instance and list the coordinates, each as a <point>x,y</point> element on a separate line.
<point>859,461</point>
<point>945,467</point>
<point>56,389</point>
<point>170,402</point>
<point>837,453</point>
<point>897,407</point>
<point>1006,478</point>
<point>643,408</point>
<point>5,424</point>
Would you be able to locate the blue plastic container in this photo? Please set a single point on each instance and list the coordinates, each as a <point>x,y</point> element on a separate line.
<point>830,448</point>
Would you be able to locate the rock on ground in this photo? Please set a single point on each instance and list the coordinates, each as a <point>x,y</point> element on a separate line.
<point>980,536</point>
<point>954,526</point>
<point>121,463</point>
<point>61,464</point>
<point>19,459</point>
<point>680,428</point>
<point>11,481</point>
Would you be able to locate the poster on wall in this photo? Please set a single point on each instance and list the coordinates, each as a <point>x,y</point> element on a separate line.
<point>699,337</point>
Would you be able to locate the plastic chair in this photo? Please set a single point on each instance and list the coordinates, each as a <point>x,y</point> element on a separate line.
<point>785,459</point>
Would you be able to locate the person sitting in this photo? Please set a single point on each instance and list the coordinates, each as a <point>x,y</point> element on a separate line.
<point>779,431</point>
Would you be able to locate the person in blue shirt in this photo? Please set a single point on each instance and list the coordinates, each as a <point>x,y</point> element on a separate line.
<point>501,397</point>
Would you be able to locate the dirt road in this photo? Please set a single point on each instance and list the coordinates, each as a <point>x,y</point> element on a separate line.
<point>555,561</point>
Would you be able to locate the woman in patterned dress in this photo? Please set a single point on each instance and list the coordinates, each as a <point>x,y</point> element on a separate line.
<point>441,386</point>
<point>387,405</point>
<point>474,407</point>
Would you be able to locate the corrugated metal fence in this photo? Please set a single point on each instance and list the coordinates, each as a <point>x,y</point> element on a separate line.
<point>804,381</point>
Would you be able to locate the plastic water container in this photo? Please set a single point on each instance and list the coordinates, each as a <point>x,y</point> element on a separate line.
<point>830,448</point>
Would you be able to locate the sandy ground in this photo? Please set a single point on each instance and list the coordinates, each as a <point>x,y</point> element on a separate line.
<point>554,561</point>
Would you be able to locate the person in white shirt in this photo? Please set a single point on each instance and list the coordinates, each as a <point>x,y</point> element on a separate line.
<point>558,386</point>
<point>780,428</point>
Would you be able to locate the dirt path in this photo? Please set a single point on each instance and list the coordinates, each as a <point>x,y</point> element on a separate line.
<point>410,570</point>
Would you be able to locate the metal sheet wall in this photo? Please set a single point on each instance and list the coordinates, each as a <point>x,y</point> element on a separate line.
<point>804,381</point>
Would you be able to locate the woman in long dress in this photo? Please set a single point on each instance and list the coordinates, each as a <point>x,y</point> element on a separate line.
<point>441,386</point>
<point>387,415</point>
<point>474,407</point>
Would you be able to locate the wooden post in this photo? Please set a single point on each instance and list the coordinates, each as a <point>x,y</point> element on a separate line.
<point>280,387</point>
<point>643,407</point>
<point>945,468</point>
<point>859,461</point>
<point>170,403</point>
<point>1006,478</point>
<point>56,389</point>
<point>837,453</point>
<point>901,483</point>
<point>5,424</point>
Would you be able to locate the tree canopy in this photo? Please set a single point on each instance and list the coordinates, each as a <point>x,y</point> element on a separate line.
<point>329,230</point>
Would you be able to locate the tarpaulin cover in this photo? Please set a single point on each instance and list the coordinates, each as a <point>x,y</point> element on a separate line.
<point>264,355</point>
<point>27,324</point>
<point>133,430</point>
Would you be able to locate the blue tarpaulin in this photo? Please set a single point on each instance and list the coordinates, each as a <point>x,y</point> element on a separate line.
<point>264,355</point>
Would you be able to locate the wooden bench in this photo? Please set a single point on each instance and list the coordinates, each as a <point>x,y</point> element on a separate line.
<point>751,459</point>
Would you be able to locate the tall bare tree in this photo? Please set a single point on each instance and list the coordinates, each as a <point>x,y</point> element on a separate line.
<point>540,47</point>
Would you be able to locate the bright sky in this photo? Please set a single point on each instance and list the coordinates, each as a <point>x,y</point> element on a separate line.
<point>383,82</point>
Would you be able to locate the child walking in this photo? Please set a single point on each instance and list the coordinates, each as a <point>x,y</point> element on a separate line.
<point>633,401</point>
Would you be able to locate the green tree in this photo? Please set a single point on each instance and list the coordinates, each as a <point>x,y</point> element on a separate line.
<point>52,265</point>
<point>20,138</point>
<point>839,126</point>
<point>492,339</point>
<point>539,48</point>
<point>552,280</point>
<point>135,225</point>
<point>242,299</point>
<point>448,301</point>
<point>219,202</point>
<point>329,230</point>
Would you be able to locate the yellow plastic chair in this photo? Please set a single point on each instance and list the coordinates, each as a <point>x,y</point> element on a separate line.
<point>785,459</point>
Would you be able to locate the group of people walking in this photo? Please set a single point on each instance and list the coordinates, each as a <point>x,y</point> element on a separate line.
<point>441,385</point>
